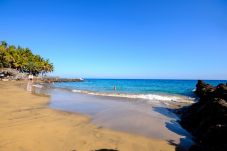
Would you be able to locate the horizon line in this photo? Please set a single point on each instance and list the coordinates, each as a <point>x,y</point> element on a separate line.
<point>151,79</point>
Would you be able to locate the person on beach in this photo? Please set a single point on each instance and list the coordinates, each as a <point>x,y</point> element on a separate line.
<point>30,77</point>
<point>115,88</point>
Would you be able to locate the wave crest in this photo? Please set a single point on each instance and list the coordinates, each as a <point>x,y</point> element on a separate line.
<point>150,97</point>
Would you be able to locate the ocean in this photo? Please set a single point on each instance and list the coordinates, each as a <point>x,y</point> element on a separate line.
<point>129,105</point>
<point>149,89</point>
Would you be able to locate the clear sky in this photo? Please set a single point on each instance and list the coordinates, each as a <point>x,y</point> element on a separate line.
<point>184,39</point>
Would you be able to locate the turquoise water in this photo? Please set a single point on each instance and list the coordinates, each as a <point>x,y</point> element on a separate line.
<point>136,86</point>
<point>149,110</point>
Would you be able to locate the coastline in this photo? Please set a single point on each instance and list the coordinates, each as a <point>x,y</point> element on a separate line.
<point>134,116</point>
<point>27,123</point>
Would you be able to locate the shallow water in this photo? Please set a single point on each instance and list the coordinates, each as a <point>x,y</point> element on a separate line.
<point>159,91</point>
<point>137,106</point>
<point>133,116</point>
<point>136,86</point>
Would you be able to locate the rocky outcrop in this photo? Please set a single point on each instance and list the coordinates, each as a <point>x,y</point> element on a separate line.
<point>9,71</point>
<point>7,74</point>
<point>50,80</point>
<point>207,119</point>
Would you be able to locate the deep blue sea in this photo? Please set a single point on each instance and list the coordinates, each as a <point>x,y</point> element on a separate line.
<point>136,88</point>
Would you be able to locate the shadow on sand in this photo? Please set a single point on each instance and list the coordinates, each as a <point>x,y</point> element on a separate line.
<point>174,126</point>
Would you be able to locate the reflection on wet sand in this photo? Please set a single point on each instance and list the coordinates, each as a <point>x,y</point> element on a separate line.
<point>29,86</point>
<point>123,115</point>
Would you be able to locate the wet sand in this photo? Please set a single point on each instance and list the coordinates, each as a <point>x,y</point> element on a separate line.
<point>135,116</point>
<point>27,123</point>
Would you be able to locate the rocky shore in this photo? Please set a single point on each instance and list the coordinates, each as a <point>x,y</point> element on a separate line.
<point>61,79</point>
<point>9,74</point>
<point>207,119</point>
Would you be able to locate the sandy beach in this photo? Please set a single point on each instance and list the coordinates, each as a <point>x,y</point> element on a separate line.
<point>28,124</point>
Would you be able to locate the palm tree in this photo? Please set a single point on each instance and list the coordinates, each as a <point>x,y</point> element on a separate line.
<point>2,52</point>
<point>8,58</point>
<point>47,67</point>
<point>23,60</point>
<point>4,43</point>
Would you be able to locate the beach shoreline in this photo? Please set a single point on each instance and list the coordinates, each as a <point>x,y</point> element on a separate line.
<point>28,123</point>
<point>133,116</point>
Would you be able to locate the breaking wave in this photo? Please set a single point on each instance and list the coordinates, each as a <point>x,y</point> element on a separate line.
<point>149,97</point>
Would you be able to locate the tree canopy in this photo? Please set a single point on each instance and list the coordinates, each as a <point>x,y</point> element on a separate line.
<point>23,60</point>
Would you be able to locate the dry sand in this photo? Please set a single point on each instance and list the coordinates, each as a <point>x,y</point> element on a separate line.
<point>28,124</point>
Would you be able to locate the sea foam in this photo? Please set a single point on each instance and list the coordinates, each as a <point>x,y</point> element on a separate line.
<point>149,97</point>
<point>37,85</point>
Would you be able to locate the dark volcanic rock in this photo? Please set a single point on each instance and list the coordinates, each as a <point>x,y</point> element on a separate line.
<point>207,119</point>
<point>204,90</point>
<point>49,80</point>
<point>221,91</point>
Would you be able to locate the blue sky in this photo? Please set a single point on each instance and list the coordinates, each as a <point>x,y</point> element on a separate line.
<point>184,39</point>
